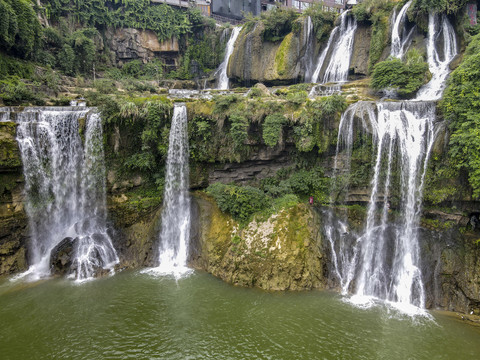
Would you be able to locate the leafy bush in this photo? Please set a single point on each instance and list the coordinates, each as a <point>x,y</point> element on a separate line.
<point>272,128</point>
<point>448,6</point>
<point>20,30</point>
<point>377,13</point>
<point>223,103</point>
<point>461,107</point>
<point>278,23</point>
<point>316,123</point>
<point>239,201</point>
<point>18,93</point>
<point>238,129</point>
<point>165,20</point>
<point>10,66</point>
<point>297,98</point>
<point>407,77</point>
<point>322,21</point>
<point>255,92</point>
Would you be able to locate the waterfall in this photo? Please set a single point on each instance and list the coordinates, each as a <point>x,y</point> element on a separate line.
<point>438,62</point>
<point>383,261</point>
<point>309,43</point>
<point>65,188</point>
<point>222,69</point>
<point>175,228</point>
<point>400,37</point>
<point>339,50</point>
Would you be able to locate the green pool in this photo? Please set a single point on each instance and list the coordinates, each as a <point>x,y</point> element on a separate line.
<point>138,316</point>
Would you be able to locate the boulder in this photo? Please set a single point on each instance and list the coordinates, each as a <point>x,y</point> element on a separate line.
<point>61,256</point>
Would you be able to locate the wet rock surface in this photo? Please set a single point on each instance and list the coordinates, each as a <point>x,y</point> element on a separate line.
<point>283,252</point>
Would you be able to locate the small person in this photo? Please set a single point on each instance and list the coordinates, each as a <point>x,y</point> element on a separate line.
<point>311,200</point>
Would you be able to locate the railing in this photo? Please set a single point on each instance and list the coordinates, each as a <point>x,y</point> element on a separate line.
<point>180,3</point>
<point>203,5</point>
<point>224,19</point>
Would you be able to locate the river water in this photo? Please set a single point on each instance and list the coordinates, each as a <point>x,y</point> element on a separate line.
<point>134,315</point>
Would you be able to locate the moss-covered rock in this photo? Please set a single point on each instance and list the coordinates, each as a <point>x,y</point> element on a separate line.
<point>9,152</point>
<point>283,252</point>
<point>272,63</point>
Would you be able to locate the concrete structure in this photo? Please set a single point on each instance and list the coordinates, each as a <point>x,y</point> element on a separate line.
<point>235,9</point>
<point>203,5</point>
<point>328,5</point>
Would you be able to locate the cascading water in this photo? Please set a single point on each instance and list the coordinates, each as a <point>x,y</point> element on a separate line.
<point>383,262</point>
<point>338,50</point>
<point>175,228</point>
<point>223,81</point>
<point>438,62</point>
<point>65,188</point>
<point>400,37</point>
<point>309,43</point>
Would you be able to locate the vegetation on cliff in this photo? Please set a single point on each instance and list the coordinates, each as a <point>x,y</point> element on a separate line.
<point>461,107</point>
<point>375,13</point>
<point>406,77</point>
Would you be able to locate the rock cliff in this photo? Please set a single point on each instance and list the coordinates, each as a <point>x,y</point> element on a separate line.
<point>273,63</point>
<point>282,252</point>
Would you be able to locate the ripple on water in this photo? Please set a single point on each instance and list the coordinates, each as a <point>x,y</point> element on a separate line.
<point>134,316</point>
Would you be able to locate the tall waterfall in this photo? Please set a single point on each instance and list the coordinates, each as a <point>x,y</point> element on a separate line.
<point>400,37</point>
<point>175,228</point>
<point>223,82</point>
<point>65,188</point>
<point>309,43</point>
<point>339,52</point>
<point>438,61</point>
<point>383,261</point>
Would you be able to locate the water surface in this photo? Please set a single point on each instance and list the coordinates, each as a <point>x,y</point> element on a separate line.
<point>138,316</point>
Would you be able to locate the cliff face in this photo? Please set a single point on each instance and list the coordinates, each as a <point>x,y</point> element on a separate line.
<point>130,44</point>
<point>283,252</point>
<point>13,221</point>
<point>255,60</point>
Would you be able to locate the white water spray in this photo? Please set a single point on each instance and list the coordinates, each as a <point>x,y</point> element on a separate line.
<point>400,37</point>
<point>65,189</point>
<point>175,228</point>
<point>223,81</point>
<point>438,62</point>
<point>384,262</point>
<point>339,50</point>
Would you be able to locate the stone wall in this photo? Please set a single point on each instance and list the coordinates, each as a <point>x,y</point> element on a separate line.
<point>130,44</point>
<point>13,221</point>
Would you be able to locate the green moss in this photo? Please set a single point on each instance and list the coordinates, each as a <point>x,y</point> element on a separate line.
<point>378,40</point>
<point>282,55</point>
<point>437,225</point>
<point>9,152</point>
<point>135,204</point>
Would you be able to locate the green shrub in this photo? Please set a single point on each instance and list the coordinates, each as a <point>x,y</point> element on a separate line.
<point>18,93</point>
<point>239,201</point>
<point>273,128</point>
<point>461,107</point>
<point>322,21</point>
<point>406,78</point>
<point>10,66</point>
<point>255,92</point>
<point>238,129</point>
<point>20,30</point>
<point>105,86</point>
<point>448,6</point>
<point>278,23</point>
<point>315,125</point>
<point>297,98</point>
